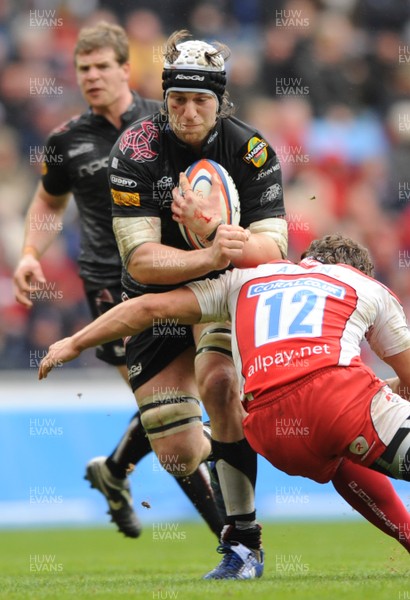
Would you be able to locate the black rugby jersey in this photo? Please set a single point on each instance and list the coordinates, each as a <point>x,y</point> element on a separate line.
<point>146,161</point>
<point>76,160</point>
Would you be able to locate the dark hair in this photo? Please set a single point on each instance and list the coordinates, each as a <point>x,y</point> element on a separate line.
<point>336,248</point>
<point>103,35</point>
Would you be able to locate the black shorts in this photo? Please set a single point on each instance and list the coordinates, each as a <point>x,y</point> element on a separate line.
<point>149,352</point>
<point>99,302</point>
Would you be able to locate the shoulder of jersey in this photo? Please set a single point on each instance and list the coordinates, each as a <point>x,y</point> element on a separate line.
<point>240,131</point>
<point>150,121</point>
<point>145,108</point>
<point>249,145</point>
<point>153,105</point>
<point>67,125</point>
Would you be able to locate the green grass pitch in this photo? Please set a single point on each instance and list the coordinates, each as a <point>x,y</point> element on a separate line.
<point>304,561</point>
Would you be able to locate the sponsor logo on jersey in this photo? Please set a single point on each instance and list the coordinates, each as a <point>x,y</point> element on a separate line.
<point>212,137</point>
<point>310,282</point>
<point>123,181</point>
<point>134,371</point>
<point>359,446</point>
<point>190,77</point>
<point>92,167</point>
<point>263,174</point>
<point>126,198</point>
<point>257,153</point>
<point>273,192</point>
<point>82,149</point>
<point>163,191</point>
<point>138,144</point>
<point>165,183</point>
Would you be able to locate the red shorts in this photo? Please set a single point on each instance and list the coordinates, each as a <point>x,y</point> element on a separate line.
<point>306,428</point>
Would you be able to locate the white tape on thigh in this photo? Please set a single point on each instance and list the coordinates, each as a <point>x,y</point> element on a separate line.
<point>216,337</point>
<point>166,415</point>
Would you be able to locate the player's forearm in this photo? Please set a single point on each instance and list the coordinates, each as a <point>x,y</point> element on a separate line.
<point>42,225</point>
<point>125,319</point>
<point>135,315</point>
<point>114,324</point>
<point>158,264</point>
<point>259,249</point>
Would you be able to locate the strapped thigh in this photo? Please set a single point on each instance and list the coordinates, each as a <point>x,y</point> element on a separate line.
<point>167,414</point>
<point>216,337</point>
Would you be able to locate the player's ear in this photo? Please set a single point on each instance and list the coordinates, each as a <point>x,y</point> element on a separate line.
<point>126,68</point>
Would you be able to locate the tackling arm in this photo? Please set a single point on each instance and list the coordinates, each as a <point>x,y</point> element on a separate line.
<point>125,319</point>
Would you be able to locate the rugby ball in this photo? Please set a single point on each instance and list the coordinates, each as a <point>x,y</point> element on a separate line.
<point>199,176</point>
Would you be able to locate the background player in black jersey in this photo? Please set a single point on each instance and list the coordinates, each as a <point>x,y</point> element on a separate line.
<point>75,163</point>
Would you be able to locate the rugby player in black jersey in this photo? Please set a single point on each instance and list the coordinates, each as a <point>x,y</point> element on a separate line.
<point>168,380</point>
<point>75,162</point>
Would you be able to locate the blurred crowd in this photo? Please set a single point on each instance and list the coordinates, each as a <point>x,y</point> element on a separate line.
<point>327,82</point>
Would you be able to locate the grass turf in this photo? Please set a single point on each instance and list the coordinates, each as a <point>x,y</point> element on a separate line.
<point>304,561</point>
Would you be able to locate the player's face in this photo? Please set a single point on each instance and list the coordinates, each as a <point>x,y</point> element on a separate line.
<point>192,116</point>
<point>101,78</point>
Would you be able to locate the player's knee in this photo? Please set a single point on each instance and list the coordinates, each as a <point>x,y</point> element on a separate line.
<point>213,361</point>
<point>218,387</point>
<point>214,367</point>
<point>181,454</point>
<point>179,464</point>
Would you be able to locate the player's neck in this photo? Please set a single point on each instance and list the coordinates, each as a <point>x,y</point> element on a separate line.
<point>114,111</point>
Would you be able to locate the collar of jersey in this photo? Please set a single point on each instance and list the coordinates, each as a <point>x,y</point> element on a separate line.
<point>126,115</point>
<point>209,142</point>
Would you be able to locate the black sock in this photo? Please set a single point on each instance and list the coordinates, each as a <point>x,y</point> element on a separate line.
<point>251,537</point>
<point>198,489</point>
<point>133,446</point>
<point>236,464</point>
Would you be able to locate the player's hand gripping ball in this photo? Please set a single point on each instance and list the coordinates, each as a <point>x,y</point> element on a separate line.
<point>199,175</point>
